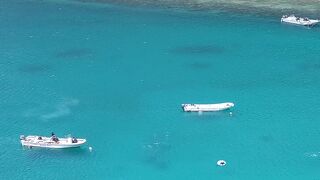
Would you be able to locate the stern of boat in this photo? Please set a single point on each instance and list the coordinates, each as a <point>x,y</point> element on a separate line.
<point>183,107</point>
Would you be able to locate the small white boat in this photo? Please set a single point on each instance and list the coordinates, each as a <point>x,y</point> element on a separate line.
<point>292,19</point>
<point>206,107</point>
<point>221,163</point>
<point>51,142</point>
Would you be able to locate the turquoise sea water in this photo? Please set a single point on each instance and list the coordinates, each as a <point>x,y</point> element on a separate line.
<point>117,76</point>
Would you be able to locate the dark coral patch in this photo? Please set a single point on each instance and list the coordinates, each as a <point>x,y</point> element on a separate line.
<point>310,66</point>
<point>199,65</point>
<point>156,152</point>
<point>198,49</point>
<point>34,68</point>
<point>74,53</point>
<point>266,138</point>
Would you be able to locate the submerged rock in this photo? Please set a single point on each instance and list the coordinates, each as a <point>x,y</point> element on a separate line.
<point>198,49</point>
<point>156,152</point>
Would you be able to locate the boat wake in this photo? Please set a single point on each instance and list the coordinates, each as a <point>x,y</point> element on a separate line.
<point>312,154</point>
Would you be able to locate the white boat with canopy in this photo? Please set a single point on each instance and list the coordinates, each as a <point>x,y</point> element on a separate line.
<point>51,142</point>
<point>292,19</point>
<point>207,107</point>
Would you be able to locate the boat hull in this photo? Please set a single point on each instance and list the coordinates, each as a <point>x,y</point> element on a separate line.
<point>46,142</point>
<point>300,24</point>
<point>206,107</point>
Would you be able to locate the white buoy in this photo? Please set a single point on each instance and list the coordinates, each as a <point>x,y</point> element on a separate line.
<point>221,163</point>
<point>90,149</point>
<point>230,113</point>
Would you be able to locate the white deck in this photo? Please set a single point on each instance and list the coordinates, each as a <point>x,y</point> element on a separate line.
<point>206,107</point>
<point>47,142</point>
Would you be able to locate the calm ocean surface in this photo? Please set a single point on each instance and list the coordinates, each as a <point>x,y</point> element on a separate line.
<point>117,76</point>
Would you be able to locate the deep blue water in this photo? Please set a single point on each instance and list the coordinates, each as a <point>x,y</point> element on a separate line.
<point>117,76</point>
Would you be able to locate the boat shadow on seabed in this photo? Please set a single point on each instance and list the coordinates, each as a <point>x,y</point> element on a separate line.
<point>210,115</point>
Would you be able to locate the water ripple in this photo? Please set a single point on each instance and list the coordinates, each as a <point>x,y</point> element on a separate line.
<point>60,109</point>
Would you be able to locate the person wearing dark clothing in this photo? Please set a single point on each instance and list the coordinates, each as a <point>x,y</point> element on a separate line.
<point>74,140</point>
<point>54,137</point>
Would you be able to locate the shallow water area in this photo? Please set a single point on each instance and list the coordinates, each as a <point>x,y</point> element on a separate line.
<point>117,76</point>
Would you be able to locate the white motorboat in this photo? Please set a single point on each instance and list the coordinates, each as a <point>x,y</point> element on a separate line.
<point>51,142</point>
<point>292,19</point>
<point>206,107</point>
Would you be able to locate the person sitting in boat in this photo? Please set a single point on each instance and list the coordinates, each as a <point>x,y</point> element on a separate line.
<point>74,140</point>
<point>54,137</point>
<point>39,138</point>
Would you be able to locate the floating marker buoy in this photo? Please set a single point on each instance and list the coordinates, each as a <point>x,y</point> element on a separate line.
<point>221,163</point>
<point>230,113</point>
<point>90,148</point>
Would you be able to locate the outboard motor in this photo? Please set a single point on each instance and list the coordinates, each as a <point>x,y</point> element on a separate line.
<point>182,106</point>
<point>22,137</point>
